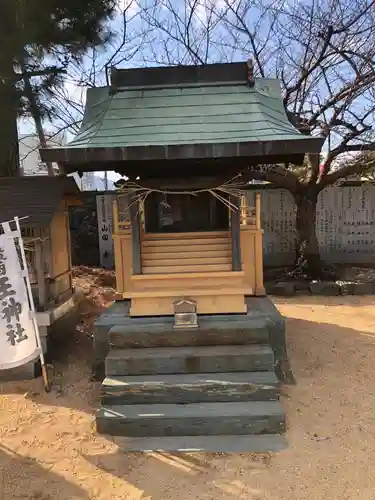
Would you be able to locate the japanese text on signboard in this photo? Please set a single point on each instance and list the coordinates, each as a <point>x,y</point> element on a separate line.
<point>10,309</point>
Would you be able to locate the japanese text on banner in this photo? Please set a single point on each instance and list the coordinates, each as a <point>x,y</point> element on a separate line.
<point>18,344</point>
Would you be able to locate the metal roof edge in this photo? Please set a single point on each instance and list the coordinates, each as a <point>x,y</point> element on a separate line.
<point>300,145</point>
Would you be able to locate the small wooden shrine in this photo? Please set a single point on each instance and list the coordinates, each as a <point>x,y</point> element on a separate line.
<point>41,202</point>
<point>188,255</point>
<point>200,244</point>
<point>186,139</point>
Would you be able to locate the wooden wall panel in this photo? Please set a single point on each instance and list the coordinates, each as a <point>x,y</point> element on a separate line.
<point>123,261</point>
<point>60,247</point>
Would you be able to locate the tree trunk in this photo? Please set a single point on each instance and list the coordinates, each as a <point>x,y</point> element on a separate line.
<point>9,149</point>
<point>308,256</point>
<point>35,113</point>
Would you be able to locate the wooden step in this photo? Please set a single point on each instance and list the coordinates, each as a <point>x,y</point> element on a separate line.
<point>213,331</point>
<point>197,419</point>
<point>188,247</point>
<point>225,253</point>
<point>206,303</point>
<point>181,239</point>
<point>185,268</point>
<point>185,260</point>
<point>188,235</point>
<point>190,388</point>
<point>170,360</point>
<point>197,292</point>
<point>245,443</point>
<point>188,281</point>
<point>223,275</point>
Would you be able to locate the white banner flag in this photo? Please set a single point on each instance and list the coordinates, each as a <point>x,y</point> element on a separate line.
<point>18,335</point>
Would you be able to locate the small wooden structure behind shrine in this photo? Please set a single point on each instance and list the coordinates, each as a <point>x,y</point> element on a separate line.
<point>41,203</point>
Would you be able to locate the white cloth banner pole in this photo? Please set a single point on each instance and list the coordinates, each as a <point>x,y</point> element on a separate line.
<point>29,291</point>
<point>18,336</point>
<point>32,307</point>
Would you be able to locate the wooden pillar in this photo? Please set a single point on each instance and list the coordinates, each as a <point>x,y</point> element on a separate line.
<point>69,250</point>
<point>259,285</point>
<point>235,223</point>
<point>257,210</point>
<point>40,275</point>
<point>243,210</point>
<point>136,236</point>
<point>115,217</point>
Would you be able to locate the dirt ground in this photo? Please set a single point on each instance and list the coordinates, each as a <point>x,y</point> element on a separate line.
<point>49,450</point>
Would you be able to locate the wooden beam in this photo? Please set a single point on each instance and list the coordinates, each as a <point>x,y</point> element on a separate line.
<point>39,267</point>
<point>69,248</point>
<point>136,237</point>
<point>187,183</point>
<point>235,231</point>
<point>257,151</point>
<point>257,210</point>
<point>171,76</point>
<point>115,217</point>
<point>243,210</point>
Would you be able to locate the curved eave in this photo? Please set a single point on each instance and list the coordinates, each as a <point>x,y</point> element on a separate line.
<point>279,151</point>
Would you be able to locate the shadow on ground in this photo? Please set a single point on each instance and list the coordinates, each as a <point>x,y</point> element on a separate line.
<point>161,476</point>
<point>71,360</point>
<point>69,366</point>
<point>332,365</point>
<point>22,477</point>
<point>327,347</point>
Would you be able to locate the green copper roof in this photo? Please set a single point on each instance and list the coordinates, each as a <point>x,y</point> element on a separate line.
<point>185,115</point>
<point>190,113</point>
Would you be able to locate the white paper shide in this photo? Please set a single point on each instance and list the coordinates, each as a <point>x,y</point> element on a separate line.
<point>18,337</point>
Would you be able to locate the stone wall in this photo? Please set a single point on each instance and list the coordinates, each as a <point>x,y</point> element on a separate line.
<point>345,226</point>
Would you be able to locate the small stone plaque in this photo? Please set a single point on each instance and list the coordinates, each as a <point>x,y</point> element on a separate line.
<point>185,314</point>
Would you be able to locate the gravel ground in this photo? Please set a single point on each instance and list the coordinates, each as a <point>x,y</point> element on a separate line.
<point>49,450</point>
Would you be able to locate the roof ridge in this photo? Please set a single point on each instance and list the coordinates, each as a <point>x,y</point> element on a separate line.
<point>181,85</point>
<point>229,83</point>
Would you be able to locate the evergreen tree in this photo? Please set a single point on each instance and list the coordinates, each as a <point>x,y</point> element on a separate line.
<point>38,39</point>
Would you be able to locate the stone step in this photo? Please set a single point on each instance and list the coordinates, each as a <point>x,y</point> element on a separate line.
<point>210,444</point>
<point>212,331</point>
<point>173,360</point>
<point>190,388</point>
<point>197,419</point>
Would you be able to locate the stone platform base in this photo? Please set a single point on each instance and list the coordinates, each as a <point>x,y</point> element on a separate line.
<point>261,315</point>
<point>212,388</point>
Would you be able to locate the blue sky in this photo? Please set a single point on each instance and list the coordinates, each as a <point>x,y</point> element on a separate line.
<point>154,46</point>
<point>157,46</point>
